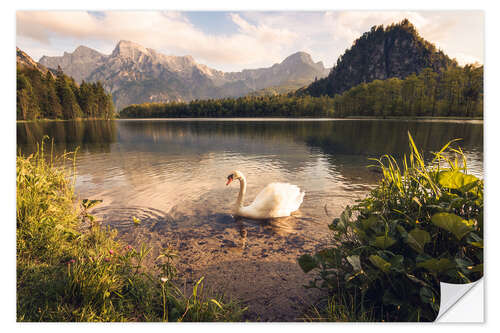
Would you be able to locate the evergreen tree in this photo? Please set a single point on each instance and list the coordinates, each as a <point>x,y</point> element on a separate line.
<point>70,107</point>
<point>27,106</point>
<point>41,96</point>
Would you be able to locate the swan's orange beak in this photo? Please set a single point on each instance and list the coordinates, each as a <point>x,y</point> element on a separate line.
<point>229,180</point>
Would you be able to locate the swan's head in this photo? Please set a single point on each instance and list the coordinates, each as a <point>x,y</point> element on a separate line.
<point>234,175</point>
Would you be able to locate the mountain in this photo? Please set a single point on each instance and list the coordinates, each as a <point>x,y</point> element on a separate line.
<point>79,64</point>
<point>24,61</point>
<point>135,74</point>
<point>396,51</point>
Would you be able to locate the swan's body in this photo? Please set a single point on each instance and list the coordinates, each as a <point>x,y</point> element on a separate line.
<point>275,200</point>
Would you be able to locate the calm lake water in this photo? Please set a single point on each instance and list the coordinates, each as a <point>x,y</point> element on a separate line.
<point>171,175</point>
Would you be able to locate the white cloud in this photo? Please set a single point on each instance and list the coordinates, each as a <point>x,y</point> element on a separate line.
<point>170,32</point>
<point>464,59</point>
<point>261,38</point>
<point>263,32</point>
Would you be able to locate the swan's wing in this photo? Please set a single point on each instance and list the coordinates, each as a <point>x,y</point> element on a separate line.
<point>276,200</point>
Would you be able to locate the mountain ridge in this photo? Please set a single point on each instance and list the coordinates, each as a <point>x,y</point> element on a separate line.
<point>136,74</point>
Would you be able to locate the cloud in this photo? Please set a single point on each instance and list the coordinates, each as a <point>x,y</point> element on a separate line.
<point>464,59</point>
<point>167,31</point>
<point>258,38</point>
<point>263,32</point>
<point>351,25</point>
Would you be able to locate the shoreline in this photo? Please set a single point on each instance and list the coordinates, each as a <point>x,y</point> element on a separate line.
<point>481,119</point>
<point>60,120</point>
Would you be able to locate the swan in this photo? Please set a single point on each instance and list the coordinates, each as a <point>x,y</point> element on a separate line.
<point>275,200</point>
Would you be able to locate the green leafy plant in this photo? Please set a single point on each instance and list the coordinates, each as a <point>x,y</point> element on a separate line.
<point>422,225</point>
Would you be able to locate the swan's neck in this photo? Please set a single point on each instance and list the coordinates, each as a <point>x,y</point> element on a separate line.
<point>243,189</point>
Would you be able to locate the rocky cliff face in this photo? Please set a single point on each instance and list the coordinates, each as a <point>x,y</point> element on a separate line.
<point>23,60</point>
<point>135,74</point>
<point>396,51</point>
<point>79,64</point>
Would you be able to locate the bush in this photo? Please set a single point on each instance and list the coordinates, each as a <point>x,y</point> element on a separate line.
<point>422,225</point>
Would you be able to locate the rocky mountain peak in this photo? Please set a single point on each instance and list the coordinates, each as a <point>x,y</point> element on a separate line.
<point>304,60</point>
<point>24,60</point>
<point>84,51</point>
<point>299,58</point>
<point>129,49</point>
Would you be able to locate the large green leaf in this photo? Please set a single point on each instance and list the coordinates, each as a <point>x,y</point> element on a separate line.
<point>307,263</point>
<point>326,256</point>
<point>360,232</point>
<point>383,242</point>
<point>453,223</point>
<point>455,179</point>
<point>369,222</point>
<point>355,262</point>
<point>417,238</point>
<point>380,263</point>
<point>436,265</point>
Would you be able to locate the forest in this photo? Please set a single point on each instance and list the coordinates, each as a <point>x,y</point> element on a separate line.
<point>48,96</point>
<point>455,92</point>
<point>248,106</point>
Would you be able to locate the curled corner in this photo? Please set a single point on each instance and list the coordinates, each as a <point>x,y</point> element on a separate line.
<point>464,308</point>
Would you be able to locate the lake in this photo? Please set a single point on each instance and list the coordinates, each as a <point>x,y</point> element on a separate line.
<point>171,173</point>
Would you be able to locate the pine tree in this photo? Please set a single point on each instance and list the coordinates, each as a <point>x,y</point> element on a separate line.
<point>70,107</point>
<point>27,106</point>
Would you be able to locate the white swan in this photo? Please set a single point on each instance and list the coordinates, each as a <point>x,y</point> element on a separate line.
<point>275,200</point>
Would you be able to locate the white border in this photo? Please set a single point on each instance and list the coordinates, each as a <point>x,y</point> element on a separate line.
<point>7,132</point>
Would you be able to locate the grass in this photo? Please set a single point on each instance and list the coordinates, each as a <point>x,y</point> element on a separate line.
<point>339,308</point>
<point>71,269</point>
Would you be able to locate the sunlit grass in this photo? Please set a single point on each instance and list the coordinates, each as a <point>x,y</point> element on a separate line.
<point>71,269</point>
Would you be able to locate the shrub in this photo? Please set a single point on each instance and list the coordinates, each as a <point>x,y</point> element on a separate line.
<point>422,225</point>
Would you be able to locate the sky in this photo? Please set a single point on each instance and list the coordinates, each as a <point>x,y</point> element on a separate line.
<point>235,40</point>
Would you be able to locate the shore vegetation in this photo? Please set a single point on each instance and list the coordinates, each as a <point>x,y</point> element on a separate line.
<point>422,225</point>
<point>69,268</point>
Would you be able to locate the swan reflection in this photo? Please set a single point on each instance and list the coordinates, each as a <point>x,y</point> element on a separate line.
<point>279,226</point>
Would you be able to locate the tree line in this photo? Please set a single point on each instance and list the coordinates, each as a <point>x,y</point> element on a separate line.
<point>456,92</point>
<point>48,96</point>
<point>248,106</point>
